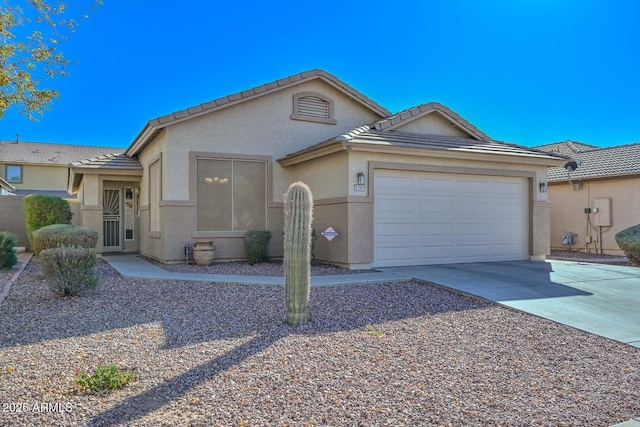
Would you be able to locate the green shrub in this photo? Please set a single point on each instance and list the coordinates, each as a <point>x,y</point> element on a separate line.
<point>64,235</point>
<point>69,271</point>
<point>41,210</point>
<point>629,241</point>
<point>7,255</point>
<point>105,377</point>
<point>256,245</point>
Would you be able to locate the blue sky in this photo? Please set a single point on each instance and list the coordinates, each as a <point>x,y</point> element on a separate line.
<point>528,72</point>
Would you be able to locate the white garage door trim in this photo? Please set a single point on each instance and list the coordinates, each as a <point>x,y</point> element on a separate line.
<point>439,218</point>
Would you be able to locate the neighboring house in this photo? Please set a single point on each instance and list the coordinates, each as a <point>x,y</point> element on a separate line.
<point>35,167</point>
<point>422,186</point>
<point>606,182</point>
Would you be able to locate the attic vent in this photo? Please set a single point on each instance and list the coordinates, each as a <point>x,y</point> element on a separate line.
<point>312,107</point>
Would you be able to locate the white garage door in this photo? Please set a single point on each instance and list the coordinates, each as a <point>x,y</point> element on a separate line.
<point>433,218</point>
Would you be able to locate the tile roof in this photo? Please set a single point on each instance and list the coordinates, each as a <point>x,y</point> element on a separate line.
<point>108,161</point>
<point>398,119</point>
<point>155,125</point>
<point>366,135</point>
<point>567,148</point>
<point>49,154</point>
<point>596,162</point>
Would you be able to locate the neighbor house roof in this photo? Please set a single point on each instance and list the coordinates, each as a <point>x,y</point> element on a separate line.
<point>153,127</point>
<point>381,136</point>
<point>49,154</point>
<point>596,162</point>
<point>112,164</point>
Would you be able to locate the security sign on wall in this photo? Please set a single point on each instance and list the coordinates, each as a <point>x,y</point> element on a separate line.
<point>330,233</point>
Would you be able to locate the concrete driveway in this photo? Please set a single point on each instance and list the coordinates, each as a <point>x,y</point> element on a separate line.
<point>597,298</point>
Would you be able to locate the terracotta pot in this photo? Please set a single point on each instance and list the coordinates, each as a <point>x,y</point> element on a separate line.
<point>204,252</point>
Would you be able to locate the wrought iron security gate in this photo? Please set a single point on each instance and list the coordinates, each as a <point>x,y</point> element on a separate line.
<point>111,217</point>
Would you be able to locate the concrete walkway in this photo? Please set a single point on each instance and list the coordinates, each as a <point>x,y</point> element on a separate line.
<point>131,265</point>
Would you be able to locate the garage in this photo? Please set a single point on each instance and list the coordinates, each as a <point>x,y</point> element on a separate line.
<point>438,218</point>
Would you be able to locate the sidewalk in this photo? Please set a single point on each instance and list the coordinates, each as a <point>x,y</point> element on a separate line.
<point>131,265</point>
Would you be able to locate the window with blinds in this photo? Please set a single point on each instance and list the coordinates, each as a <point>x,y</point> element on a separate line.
<point>313,107</point>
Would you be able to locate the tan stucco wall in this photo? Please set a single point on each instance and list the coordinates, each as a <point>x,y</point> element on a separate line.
<point>567,211</point>
<point>151,244</point>
<point>258,127</point>
<point>434,123</point>
<point>327,177</point>
<point>37,177</point>
<point>359,161</point>
<point>12,217</point>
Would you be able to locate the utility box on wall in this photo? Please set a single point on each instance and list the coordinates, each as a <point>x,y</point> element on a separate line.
<point>602,212</point>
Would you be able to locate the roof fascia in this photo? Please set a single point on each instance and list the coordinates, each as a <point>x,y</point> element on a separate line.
<point>597,178</point>
<point>325,150</point>
<point>419,152</point>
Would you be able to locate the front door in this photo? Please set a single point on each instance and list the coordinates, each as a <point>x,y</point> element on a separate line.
<point>111,219</point>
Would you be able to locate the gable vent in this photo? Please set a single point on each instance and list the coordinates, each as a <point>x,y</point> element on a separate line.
<point>313,107</point>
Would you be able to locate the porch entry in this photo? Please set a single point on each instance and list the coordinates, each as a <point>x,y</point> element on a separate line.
<point>111,219</point>
<point>120,213</point>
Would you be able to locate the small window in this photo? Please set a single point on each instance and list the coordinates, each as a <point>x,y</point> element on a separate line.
<point>313,107</point>
<point>14,174</point>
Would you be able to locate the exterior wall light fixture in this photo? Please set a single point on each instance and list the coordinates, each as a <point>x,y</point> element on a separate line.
<point>543,187</point>
<point>361,178</point>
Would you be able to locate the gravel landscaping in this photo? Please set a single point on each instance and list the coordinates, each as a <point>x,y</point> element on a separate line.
<point>590,257</point>
<point>271,268</point>
<point>394,354</point>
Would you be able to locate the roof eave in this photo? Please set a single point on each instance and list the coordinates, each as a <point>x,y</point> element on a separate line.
<point>463,154</point>
<point>141,140</point>
<point>73,181</point>
<point>596,178</point>
<point>106,171</point>
<point>332,147</point>
<point>453,153</point>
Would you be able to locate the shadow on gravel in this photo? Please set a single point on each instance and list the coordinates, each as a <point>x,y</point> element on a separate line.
<point>229,311</point>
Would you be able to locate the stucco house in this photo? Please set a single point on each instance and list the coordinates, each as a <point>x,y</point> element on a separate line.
<point>37,167</point>
<point>421,186</point>
<point>596,200</point>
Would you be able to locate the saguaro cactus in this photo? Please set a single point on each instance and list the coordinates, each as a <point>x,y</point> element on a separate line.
<point>298,213</point>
